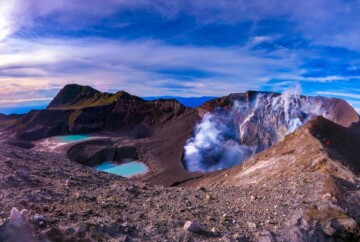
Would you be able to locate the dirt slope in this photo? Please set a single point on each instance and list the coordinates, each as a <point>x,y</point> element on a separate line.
<point>321,153</point>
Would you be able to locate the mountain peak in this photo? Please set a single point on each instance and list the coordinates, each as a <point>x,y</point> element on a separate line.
<point>72,94</point>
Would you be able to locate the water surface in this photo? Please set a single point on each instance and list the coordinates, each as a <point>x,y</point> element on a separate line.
<point>72,138</point>
<point>127,170</point>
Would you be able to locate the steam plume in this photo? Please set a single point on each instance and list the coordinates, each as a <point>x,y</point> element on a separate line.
<point>226,138</point>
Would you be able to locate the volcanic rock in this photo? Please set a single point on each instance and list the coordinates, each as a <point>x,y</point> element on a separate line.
<point>16,229</point>
<point>16,219</point>
<point>193,227</point>
<point>39,219</point>
<point>20,143</point>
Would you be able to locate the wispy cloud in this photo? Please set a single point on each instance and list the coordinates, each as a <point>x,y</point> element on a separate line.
<point>11,101</point>
<point>179,47</point>
<point>138,66</point>
<point>330,22</point>
<point>339,94</point>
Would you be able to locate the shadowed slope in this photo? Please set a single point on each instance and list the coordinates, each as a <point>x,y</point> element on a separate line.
<point>73,94</point>
<point>82,109</point>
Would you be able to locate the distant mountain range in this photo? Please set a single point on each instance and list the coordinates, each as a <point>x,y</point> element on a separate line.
<point>191,102</point>
<point>20,109</point>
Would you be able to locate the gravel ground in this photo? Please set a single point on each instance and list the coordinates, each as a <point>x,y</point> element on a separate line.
<point>61,200</point>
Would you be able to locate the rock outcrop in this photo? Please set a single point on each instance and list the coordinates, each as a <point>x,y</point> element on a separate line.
<point>77,96</point>
<point>235,127</point>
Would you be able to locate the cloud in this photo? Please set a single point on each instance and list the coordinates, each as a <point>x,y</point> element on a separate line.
<point>137,66</point>
<point>143,67</point>
<point>4,101</point>
<point>329,22</point>
<point>339,94</point>
<point>261,39</point>
<point>179,47</point>
<point>8,16</point>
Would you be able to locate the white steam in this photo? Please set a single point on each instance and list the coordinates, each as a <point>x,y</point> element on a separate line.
<point>226,138</point>
<point>211,149</point>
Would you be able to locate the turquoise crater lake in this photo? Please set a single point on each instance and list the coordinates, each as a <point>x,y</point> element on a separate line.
<point>126,170</point>
<point>72,138</point>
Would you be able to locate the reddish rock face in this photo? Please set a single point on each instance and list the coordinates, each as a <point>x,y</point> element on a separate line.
<point>240,125</point>
<point>340,112</point>
<point>334,109</point>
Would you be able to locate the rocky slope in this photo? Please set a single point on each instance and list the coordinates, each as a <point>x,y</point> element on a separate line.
<point>8,120</point>
<point>299,190</point>
<point>323,159</point>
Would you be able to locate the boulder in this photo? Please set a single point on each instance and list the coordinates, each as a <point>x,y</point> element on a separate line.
<point>193,227</point>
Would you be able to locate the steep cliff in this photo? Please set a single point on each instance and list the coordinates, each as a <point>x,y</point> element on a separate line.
<point>235,127</point>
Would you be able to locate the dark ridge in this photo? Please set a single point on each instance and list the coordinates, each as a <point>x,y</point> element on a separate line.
<point>127,96</point>
<point>228,101</point>
<point>178,183</point>
<point>342,113</point>
<point>252,94</point>
<point>72,94</point>
<point>10,116</point>
<point>82,109</point>
<point>190,102</point>
<point>344,144</point>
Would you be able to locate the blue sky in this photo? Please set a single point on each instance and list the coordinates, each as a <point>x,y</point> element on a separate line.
<point>178,47</point>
